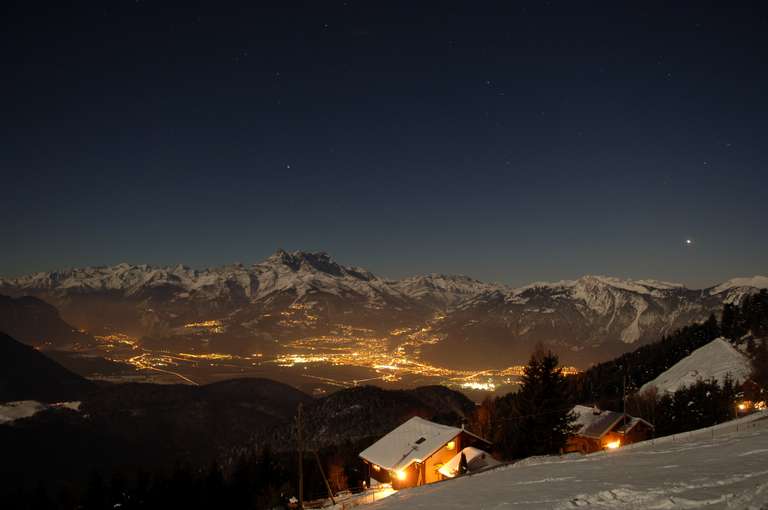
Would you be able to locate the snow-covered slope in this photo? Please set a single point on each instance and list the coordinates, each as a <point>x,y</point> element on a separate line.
<point>712,468</point>
<point>715,360</point>
<point>12,411</point>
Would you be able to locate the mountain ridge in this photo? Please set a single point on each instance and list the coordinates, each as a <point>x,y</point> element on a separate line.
<point>293,295</point>
<point>110,277</point>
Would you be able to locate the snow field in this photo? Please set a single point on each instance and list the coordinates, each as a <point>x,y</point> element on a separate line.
<point>725,466</point>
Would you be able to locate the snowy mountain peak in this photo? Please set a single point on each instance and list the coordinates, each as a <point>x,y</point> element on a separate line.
<point>756,282</point>
<point>314,262</point>
<point>297,259</point>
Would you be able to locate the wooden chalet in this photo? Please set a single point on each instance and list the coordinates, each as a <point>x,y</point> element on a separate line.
<point>601,430</point>
<point>413,453</point>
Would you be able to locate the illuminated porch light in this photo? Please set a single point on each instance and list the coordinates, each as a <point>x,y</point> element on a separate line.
<point>401,475</point>
<point>451,445</point>
<point>613,444</point>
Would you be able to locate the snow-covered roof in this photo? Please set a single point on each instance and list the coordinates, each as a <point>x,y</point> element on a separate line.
<point>631,423</point>
<point>594,423</point>
<point>476,459</point>
<point>714,360</point>
<point>413,441</point>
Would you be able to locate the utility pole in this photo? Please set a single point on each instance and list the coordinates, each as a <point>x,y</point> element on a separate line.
<point>624,400</point>
<point>299,433</point>
<point>327,485</point>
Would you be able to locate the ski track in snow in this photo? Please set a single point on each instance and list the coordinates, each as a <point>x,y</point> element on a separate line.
<point>692,470</point>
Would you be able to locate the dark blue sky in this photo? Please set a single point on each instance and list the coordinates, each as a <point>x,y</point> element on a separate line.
<point>511,141</point>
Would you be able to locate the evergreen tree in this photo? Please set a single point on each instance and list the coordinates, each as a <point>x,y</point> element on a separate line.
<point>711,327</point>
<point>483,420</point>
<point>760,364</point>
<point>537,420</point>
<point>729,322</point>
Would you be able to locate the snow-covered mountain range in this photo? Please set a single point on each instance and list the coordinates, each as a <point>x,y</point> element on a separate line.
<point>290,295</point>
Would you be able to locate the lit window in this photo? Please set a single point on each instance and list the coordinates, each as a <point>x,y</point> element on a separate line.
<point>376,468</point>
<point>451,445</point>
<point>613,445</point>
<point>402,475</point>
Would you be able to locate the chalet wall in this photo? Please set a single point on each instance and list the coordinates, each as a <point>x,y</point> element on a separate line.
<point>439,458</point>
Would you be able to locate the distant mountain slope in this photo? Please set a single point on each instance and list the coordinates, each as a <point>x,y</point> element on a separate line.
<point>26,374</point>
<point>443,292</point>
<point>590,319</point>
<point>715,360</point>
<point>37,323</point>
<point>299,294</point>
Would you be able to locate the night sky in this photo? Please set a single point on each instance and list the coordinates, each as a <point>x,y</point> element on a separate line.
<point>510,141</point>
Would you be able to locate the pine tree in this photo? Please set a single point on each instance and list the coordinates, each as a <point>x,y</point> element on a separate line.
<point>728,322</point>
<point>711,328</point>
<point>760,364</point>
<point>537,420</point>
<point>483,420</point>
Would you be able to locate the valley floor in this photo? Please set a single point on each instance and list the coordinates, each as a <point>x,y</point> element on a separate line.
<point>719,467</point>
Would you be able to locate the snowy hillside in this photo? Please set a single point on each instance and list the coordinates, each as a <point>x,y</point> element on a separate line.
<point>12,411</point>
<point>715,360</point>
<point>722,467</point>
